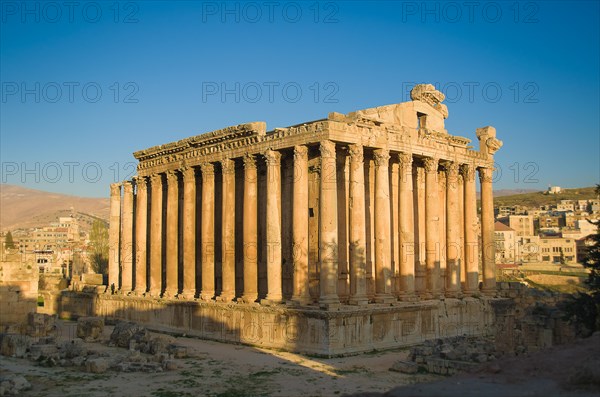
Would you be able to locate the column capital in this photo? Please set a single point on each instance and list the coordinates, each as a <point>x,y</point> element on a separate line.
<point>486,174</point>
<point>452,169</point>
<point>208,169</point>
<point>189,173</point>
<point>356,153</point>
<point>128,186</point>
<point>406,160</point>
<point>155,178</point>
<point>381,157</point>
<point>300,152</point>
<point>141,182</point>
<point>468,172</point>
<point>115,189</point>
<point>171,177</point>
<point>249,162</point>
<point>273,157</point>
<point>431,164</point>
<point>327,149</point>
<point>228,166</point>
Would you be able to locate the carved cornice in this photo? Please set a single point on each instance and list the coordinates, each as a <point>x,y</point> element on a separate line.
<point>430,164</point>
<point>381,157</point>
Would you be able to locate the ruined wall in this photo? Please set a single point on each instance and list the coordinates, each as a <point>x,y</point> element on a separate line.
<point>18,289</point>
<point>310,331</point>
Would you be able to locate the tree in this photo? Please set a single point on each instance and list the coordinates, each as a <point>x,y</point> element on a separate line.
<point>99,243</point>
<point>584,309</point>
<point>9,242</point>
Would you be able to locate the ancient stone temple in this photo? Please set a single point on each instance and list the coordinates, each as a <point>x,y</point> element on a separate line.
<point>335,236</point>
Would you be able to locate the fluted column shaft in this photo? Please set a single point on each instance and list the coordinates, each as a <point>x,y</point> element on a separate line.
<point>250,230</point>
<point>208,232</point>
<point>383,260</point>
<point>228,231</point>
<point>127,238</point>
<point>432,233</point>
<point>301,293</point>
<point>470,249</point>
<point>328,226</point>
<point>156,212</point>
<point>358,239</point>
<point>141,235</point>
<point>407,228</point>
<point>114,236</point>
<point>274,292</point>
<point>453,223</point>
<point>189,233</point>
<point>172,254</point>
<point>487,231</point>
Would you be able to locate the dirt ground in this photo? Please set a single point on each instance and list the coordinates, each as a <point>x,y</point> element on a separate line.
<point>218,369</point>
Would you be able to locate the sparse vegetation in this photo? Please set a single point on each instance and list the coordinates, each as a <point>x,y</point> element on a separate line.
<point>537,199</point>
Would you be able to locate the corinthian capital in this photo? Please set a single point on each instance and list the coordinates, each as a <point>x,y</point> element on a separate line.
<point>430,164</point>
<point>327,149</point>
<point>356,153</point>
<point>272,157</point>
<point>381,157</point>
<point>486,175</point>
<point>228,166</point>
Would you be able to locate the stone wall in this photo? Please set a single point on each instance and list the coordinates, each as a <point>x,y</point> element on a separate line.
<point>349,330</point>
<point>18,289</point>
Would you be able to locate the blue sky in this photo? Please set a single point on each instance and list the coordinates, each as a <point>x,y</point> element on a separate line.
<point>84,86</point>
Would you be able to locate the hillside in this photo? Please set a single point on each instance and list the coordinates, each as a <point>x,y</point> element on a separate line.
<point>24,208</point>
<point>536,199</point>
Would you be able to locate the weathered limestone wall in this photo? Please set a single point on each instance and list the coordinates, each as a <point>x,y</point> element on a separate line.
<point>18,289</point>
<point>350,330</point>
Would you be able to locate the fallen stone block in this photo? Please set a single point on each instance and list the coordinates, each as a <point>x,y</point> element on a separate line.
<point>125,331</point>
<point>405,367</point>
<point>12,345</point>
<point>13,385</point>
<point>90,328</point>
<point>97,365</point>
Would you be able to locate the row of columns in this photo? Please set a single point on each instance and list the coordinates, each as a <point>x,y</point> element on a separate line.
<point>436,284</point>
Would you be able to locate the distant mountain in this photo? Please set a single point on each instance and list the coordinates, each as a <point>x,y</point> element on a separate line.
<point>537,198</point>
<point>511,192</point>
<point>24,208</point>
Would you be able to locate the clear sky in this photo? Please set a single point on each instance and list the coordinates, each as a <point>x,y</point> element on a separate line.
<point>85,84</point>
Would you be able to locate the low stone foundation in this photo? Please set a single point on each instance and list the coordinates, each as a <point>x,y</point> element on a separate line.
<point>307,330</point>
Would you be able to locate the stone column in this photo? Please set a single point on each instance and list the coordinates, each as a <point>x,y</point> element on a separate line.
<point>407,228</point>
<point>432,233</point>
<point>383,260</point>
<point>471,243</point>
<point>274,293</point>
<point>156,237</point>
<point>127,238</point>
<point>328,227</point>
<point>141,235</point>
<point>228,235</point>
<point>208,232</point>
<point>301,293</point>
<point>250,230</point>
<point>172,237</point>
<point>487,231</point>
<point>189,233</point>
<point>358,239</point>
<point>453,223</point>
<point>114,237</point>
